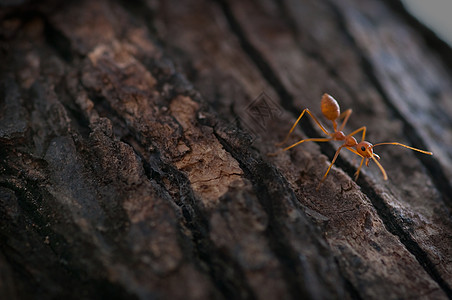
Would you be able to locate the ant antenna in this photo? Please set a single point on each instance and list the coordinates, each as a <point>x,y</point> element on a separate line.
<point>372,155</point>
<point>399,144</point>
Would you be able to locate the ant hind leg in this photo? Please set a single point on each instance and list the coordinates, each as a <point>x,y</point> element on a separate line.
<point>298,143</point>
<point>298,120</point>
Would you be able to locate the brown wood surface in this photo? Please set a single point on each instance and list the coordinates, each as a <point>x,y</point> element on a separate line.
<point>134,140</point>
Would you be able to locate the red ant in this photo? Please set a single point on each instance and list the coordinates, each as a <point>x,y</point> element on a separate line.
<point>331,110</point>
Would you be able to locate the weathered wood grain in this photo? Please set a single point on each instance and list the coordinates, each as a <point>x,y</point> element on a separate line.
<point>133,165</point>
<point>294,86</point>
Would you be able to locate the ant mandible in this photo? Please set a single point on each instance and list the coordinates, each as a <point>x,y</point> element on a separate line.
<point>331,110</point>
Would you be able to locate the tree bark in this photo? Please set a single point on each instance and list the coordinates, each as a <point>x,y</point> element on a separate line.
<point>134,141</point>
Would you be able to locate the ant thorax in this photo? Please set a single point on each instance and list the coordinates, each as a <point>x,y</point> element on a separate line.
<point>350,141</point>
<point>338,136</point>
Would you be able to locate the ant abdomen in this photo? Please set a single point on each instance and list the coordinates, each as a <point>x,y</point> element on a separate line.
<point>330,107</point>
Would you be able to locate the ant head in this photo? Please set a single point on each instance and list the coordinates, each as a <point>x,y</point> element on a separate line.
<point>365,149</point>
<point>330,107</point>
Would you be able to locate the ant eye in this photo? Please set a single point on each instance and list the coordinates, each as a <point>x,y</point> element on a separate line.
<point>363,148</point>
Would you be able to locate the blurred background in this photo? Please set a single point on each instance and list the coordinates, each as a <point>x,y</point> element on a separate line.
<point>435,14</point>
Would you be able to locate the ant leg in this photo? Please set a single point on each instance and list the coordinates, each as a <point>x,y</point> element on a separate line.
<point>399,144</point>
<point>299,142</point>
<point>331,164</point>
<point>363,129</point>
<point>360,165</point>
<point>345,114</point>
<point>354,151</point>
<point>308,140</point>
<point>298,120</point>
<point>359,169</point>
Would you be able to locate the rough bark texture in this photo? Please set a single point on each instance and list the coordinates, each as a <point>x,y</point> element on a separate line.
<point>134,141</point>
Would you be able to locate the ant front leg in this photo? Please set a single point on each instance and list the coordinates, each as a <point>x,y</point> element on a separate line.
<point>298,120</point>
<point>361,163</point>
<point>359,169</point>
